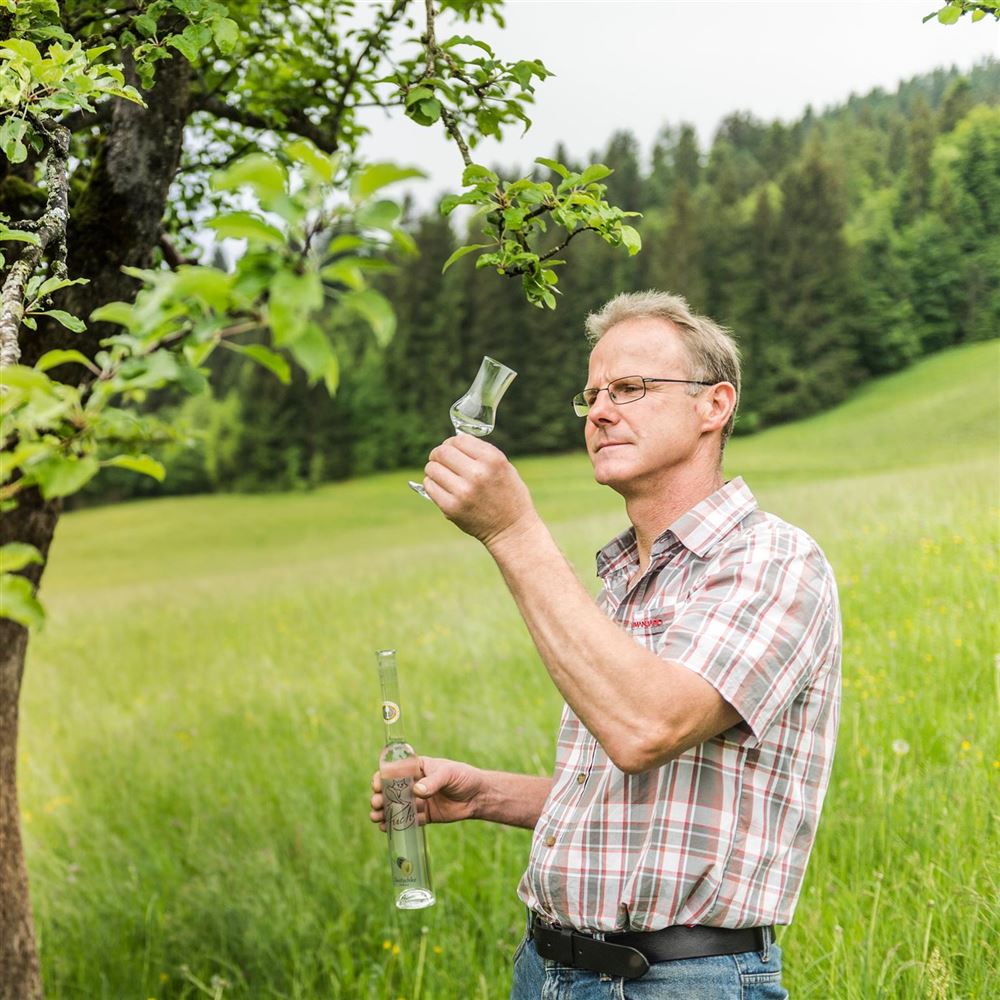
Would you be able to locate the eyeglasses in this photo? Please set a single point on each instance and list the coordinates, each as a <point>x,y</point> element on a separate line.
<point>628,389</point>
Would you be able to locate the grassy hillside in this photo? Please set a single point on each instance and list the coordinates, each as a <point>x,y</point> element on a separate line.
<point>200,720</point>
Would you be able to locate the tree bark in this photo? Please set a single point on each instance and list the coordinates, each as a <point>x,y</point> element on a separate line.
<point>34,522</point>
<point>115,221</point>
<point>117,218</point>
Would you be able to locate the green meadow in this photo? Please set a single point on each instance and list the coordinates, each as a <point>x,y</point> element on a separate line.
<point>201,720</point>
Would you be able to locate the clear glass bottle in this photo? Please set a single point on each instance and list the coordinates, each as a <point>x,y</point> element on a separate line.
<point>399,767</point>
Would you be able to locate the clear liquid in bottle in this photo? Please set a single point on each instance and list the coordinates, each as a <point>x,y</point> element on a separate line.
<point>399,768</point>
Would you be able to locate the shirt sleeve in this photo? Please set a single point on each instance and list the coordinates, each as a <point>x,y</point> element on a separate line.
<point>760,626</point>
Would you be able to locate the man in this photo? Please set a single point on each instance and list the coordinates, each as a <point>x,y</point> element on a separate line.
<point>701,693</point>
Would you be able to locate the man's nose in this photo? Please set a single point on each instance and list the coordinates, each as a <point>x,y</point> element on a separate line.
<point>602,410</point>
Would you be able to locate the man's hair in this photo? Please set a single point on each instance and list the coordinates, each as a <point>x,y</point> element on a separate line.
<point>712,354</point>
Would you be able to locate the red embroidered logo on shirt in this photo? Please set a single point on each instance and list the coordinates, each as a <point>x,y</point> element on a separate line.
<point>646,622</point>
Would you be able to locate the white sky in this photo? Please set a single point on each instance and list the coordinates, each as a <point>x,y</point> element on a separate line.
<point>624,64</point>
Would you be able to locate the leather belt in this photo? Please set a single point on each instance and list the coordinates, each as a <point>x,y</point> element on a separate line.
<point>630,954</point>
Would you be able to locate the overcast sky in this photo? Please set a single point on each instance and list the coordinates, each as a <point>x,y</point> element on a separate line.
<point>622,64</point>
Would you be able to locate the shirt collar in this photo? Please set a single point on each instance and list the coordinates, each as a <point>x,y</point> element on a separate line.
<point>709,521</point>
<point>698,529</point>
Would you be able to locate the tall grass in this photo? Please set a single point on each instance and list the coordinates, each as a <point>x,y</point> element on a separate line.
<point>200,721</point>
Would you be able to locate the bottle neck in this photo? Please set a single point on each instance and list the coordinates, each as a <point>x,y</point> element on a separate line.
<point>389,680</point>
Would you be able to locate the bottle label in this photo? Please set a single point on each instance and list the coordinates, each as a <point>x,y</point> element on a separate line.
<point>390,712</point>
<point>400,810</point>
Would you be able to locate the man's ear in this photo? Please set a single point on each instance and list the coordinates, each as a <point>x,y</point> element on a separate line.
<point>717,405</point>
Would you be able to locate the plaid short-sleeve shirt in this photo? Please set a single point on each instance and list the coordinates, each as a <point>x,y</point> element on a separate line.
<point>721,834</point>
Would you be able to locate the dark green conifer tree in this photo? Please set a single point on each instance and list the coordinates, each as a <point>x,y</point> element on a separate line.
<point>916,187</point>
<point>815,268</point>
<point>423,361</point>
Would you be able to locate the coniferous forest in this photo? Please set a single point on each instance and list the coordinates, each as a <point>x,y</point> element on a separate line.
<point>838,248</point>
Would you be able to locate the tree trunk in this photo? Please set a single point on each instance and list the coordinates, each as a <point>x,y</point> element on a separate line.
<point>33,521</point>
<point>115,221</point>
<point>117,218</point>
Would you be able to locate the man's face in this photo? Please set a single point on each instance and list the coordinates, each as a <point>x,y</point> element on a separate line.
<point>633,445</point>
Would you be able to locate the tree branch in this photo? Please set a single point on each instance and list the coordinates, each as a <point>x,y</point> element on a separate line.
<point>297,123</point>
<point>50,228</point>
<point>172,255</point>
<point>80,119</point>
<point>377,32</point>
<point>565,242</point>
<point>431,47</point>
<point>449,123</point>
<point>511,272</point>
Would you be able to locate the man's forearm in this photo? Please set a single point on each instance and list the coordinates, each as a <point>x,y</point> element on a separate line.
<point>642,709</point>
<point>512,799</point>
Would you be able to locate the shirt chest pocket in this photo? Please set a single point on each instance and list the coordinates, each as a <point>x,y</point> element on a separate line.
<point>648,625</point>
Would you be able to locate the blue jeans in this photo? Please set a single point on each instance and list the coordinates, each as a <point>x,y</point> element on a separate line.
<point>750,975</point>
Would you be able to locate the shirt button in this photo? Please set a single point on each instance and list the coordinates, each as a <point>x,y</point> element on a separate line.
<point>581,778</point>
<point>550,841</point>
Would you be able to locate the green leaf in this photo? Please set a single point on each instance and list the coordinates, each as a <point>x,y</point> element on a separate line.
<point>197,353</point>
<point>246,226</point>
<point>51,285</point>
<point>461,252</point>
<point>151,371</point>
<point>430,110</point>
<point>468,40</point>
<point>632,240</point>
<point>292,299</point>
<point>18,602</point>
<point>97,51</point>
<point>206,284</point>
<point>17,555</point>
<point>380,214</point>
<point>267,358</point>
<point>197,36</point>
<point>488,122</point>
<point>594,173</point>
<point>405,243</point>
<point>344,271</point>
<point>11,135</point>
<point>522,72</point>
<point>377,175</point>
<point>312,351</point>
<point>28,51</point>
<point>475,174</point>
<point>449,202</point>
<point>323,166</point>
<point>120,313</point>
<point>331,375</point>
<point>24,378</point>
<point>65,319</point>
<point>344,242</point>
<point>11,460</point>
<point>184,46</point>
<point>978,15</point>
<point>418,94</point>
<point>18,235</point>
<point>375,309</point>
<point>145,25</point>
<point>258,171</point>
<point>52,358</point>
<point>139,463</point>
<point>949,14</point>
<point>59,476</point>
<point>227,33</point>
